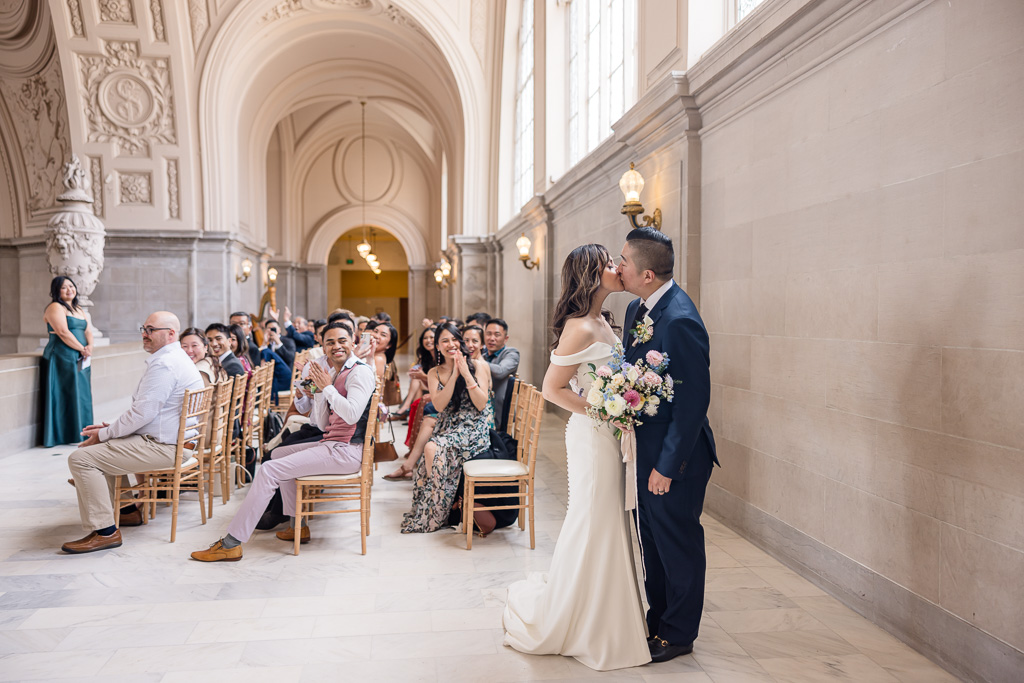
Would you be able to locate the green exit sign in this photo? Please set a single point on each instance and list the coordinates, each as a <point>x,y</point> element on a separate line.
<point>349,261</point>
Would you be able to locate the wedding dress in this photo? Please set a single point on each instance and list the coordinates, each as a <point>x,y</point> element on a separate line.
<point>587,605</point>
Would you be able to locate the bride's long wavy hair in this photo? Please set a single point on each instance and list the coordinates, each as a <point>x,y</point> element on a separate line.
<point>581,278</point>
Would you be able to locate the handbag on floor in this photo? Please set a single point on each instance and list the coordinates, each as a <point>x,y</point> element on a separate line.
<point>385,451</point>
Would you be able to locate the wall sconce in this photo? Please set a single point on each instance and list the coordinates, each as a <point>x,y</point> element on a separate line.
<point>446,267</point>
<point>523,245</point>
<point>632,184</point>
<point>272,276</point>
<point>440,279</point>
<point>246,271</point>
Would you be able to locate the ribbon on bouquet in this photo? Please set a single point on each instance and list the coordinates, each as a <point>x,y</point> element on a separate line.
<point>628,445</point>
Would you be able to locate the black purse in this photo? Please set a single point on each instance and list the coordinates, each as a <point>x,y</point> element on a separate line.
<point>503,447</point>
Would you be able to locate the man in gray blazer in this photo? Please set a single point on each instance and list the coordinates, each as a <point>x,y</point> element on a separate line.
<point>504,362</point>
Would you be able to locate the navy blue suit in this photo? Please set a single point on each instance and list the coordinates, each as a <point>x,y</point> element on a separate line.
<point>678,443</point>
<point>303,340</point>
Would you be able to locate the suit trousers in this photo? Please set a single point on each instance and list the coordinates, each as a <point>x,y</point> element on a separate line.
<point>96,467</point>
<point>674,557</point>
<point>286,465</point>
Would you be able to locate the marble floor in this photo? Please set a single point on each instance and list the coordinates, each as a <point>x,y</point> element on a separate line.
<point>415,608</point>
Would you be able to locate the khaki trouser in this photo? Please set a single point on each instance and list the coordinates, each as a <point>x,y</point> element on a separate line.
<point>95,468</point>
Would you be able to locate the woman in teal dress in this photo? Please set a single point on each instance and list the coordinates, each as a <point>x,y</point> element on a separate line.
<point>66,386</point>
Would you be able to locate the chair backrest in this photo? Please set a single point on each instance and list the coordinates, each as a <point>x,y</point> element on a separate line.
<point>195,405</point>
<point>511,407</point>
<point>529,440</point>
<point>366,470</point>
<point>220,425</point>
<point>268,381</point>
<point>522,406</point>
<point>238,394</point>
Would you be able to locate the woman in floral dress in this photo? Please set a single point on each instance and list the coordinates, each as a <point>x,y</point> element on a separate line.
<point>459,387</point>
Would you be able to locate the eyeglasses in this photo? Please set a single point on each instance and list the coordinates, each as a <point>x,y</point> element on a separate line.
<point>149,330</point>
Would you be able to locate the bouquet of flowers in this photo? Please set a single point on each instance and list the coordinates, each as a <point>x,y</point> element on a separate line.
<point>622,391</point>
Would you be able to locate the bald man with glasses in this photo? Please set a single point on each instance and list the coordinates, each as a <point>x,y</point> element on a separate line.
<point>144,438</point>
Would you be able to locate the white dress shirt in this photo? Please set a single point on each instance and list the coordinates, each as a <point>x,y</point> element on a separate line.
<point>359,385</point>
<point>303,403</point>
<point>658,293</point>
<point>156,403</point>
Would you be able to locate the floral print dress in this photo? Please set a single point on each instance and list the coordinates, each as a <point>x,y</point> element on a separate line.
<point>461,433</point>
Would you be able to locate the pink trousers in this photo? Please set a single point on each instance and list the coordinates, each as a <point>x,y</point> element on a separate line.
<point>287,464</point>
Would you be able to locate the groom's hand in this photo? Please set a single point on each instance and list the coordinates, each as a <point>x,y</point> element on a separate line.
<point>657,484</point>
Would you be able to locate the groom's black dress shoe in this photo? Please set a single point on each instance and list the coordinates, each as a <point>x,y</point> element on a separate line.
<point>662,650</point>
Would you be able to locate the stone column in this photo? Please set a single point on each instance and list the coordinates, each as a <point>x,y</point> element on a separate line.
<point>475,277</point>
<point>421,280</point>
<point>75,236</point>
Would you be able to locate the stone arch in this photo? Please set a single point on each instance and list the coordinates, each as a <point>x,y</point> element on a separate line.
<point>336,223</point>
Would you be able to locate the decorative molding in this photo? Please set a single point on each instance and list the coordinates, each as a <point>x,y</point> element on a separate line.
<point>400,18</point>
<point>39,112</point>
<point>200,21</point>
<point>127,99</point>
<point>173,208</point>
<point>281,10</point>
<point>157,10</point>
<point>96,174</point>
<point>74,236</point>
<point>75,15</point>
<point>478,28</point>
<point>351,4</point>
<point>117,12</point>
<point>134,188</point>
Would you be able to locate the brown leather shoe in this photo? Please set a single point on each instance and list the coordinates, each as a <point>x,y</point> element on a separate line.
<point>289,535</point>
<point>92,543</point>
<point>218,553</point>
<point>132,518</point>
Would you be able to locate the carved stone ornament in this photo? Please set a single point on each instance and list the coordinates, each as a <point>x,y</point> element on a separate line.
<point>135,188</point>
<point>157,10</point>
<point>75,13</point>
<point>281,10</point>
<point>200,21</point>
<point>116,11</point>
<point>127,99</point>
<point>74,235</point>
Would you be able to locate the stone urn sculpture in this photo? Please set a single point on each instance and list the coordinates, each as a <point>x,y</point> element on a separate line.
<point>75,236</point>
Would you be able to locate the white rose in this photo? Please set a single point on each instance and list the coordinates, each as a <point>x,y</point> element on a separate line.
<point>595,397</point>
<point>618,380</point>
<point>615,406</point>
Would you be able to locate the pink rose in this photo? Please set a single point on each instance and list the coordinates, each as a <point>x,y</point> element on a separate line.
<point>654,358</point>
<point>604,371</point>
<point>632,398</point>
<point>651,378</point>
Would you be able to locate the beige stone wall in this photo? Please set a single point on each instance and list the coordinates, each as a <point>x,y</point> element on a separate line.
<point>863,283</point>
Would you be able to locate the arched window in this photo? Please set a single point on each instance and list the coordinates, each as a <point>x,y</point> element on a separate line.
<point>522,150</point>
<point>602,70</point>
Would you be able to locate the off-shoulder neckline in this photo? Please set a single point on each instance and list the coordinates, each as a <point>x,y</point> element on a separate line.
<point>597,343</point>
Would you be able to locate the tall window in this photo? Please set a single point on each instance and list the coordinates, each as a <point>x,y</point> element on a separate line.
<point>745,7</point>
<point>602,70</point>
<point>522,180</point>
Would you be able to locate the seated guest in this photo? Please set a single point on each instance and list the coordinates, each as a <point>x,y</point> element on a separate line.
<point>418,373</point>
<point>196,346</point>
<point>479,319</point>
<point>340,408</point>
<point>504,362</point>
<point>236,337</point>
<point>318,329</point>
<point>458,388</point>
<point>250,349</point>
<point>417,395</point>
<point>299,332</point>
<point>143,438</point>
<point>473,335</point>
<point>361,323</point>
<point>382,317</point>
<point>387,345</point>
<point>274,342</point>
<point>219,336</point>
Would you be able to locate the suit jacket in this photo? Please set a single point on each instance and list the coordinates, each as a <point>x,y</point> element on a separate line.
<point>503,366</point>
<point>254,353</point>
<point>680,430</point>
<point>232,365</point>
<point>286,351</point>
<point>303,340</point>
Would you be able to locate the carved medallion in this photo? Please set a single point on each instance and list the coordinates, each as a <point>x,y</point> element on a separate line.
<point>116,11</point>
<point>134,188</point>
<point>126,100</point>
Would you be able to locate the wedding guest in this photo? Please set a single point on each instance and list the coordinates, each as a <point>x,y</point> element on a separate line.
<point>479,319</point>
<point>236,337</point>
<point>250,349</point>
<point>504,363</point>
<point>299,331</point>
<point>418,373</point>
<point>473,335</point>
<point>143,438</point>
<point>382,317</point>
<point>419,401</point>
<point>64,373</point>
<point>218,336</point>
<point>458,388</point>
<point>340,408</point>
<point>280,345</point>
<point>196,347</point>
<point>387,345</point>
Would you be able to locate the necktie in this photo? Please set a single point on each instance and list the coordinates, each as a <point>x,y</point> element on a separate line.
<point>640,313</point>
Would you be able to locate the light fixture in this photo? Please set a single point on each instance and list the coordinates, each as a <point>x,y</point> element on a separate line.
<point>374,264</point>
<point>363,248</point>
<point>440,279</point>
<point>376,271</point>
<point>523,245</point>
<point>632,184</point>
<point>246,271</point>
<point>272,276</point>
<point>370,256</point>
<point>446,268</point>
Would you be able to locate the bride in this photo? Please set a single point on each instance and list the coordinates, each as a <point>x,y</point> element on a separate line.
<point>587,605</point>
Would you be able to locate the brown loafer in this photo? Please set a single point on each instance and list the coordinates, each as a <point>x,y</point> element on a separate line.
<point>218,553</point>
<point>92,543</point>
<point>289,534</point>
<point>131,518</point>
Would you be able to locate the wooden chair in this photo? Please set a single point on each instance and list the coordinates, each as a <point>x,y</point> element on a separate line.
<point>195,406</point>
<point>218,447</point>
<point>510,427</point>
<point>339,488</point>
<point>492,473</point>
<point>253,396</point>
<point>284,398</point>
<point>236,447</point>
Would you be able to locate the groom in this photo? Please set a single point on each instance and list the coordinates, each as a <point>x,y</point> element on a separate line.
<point>675,448</point>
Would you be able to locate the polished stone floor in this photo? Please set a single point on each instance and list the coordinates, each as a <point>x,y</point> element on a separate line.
<point>415,608</point>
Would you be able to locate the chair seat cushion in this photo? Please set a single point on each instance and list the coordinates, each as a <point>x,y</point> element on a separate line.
<point>328,477</point>
<point>495,468</point>
<point>185,465</point>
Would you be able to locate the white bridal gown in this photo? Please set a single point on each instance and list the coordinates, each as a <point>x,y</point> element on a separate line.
<point>587,605</point>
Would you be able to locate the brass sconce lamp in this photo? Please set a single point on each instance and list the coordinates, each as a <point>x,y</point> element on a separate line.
<point>632,184</point>
<point>523,245</point>
<point>246,271</point>
<point>271,276</point>
<point>443,273</point>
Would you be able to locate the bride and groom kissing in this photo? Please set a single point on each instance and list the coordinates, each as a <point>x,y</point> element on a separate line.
<point>588,604</point>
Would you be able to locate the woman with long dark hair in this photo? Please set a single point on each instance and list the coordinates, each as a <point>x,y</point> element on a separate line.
<point>556,613</point>
<point>240,347</point>
<point>458,388</point>
<point>196,346</point>
<point>418,400</point>
<point>65,375</point>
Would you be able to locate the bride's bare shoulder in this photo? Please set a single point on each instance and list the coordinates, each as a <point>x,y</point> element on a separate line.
<point>577,335</point>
